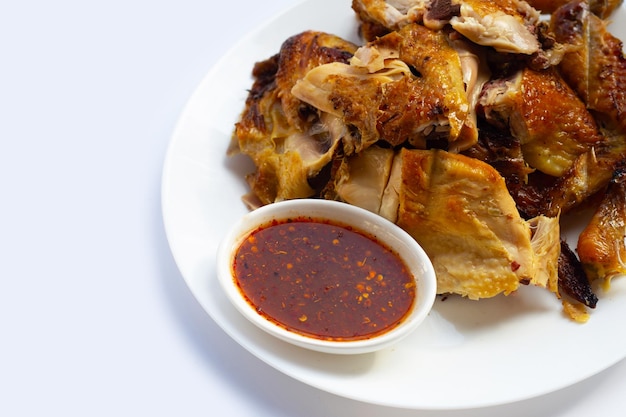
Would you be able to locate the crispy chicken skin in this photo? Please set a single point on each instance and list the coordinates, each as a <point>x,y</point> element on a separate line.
<point>601,245</point>
<point>596,66</point>
<point>406,87</point>
<point>588,175</point>
<point>459,210</point>
<point>506,25</point>
<point>299,55</point>
<point>602,8</point>
<point>288,143</point>
<point>551,123</point>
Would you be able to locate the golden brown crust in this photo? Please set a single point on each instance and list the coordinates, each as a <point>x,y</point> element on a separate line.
<point>601,246</point>
<point>275,128</point>
<point>459,210</point>
<point>556,125</point>
<point>418,93</point>
<point>602,8</point>
<point>596,66</point>
<point>300,54</point>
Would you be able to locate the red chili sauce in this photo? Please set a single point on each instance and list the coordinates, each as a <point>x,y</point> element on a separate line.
<point>323,280</point>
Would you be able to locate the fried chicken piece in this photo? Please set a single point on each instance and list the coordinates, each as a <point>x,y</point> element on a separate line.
<point>459,210</point>
<point>287,141</point>
<point>506,25</point>
<point>589,174</point>
<point>407,87</point>
<point>602,8</point>
<point>601,245</point>
<point>300,54</point>
<point>596,66</point>
<point>501,150</point>
<point>378,18</point>
<point>545,115</point>
<point>361,179</point>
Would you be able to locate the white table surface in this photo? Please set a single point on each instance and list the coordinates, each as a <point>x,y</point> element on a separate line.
<point>95,318</point>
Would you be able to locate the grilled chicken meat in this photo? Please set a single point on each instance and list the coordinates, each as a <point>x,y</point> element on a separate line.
<point>459,210</point>
<point>596,66</point>
<point>545,115</point>
<point>588,175</point>
<point>601,245</point>
<point>506,25</point>
<point>288,141</point>
<point>406,87</point>
<point>601,8</point>
<point>361,179</point>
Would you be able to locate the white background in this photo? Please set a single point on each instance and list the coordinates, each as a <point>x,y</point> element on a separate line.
<point>95,318</point>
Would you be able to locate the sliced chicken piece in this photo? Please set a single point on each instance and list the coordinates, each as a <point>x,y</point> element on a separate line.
<point>406,87</point>
<point>596,67</point>
<point>298,55</point>
<point>588,175</point>
<point>545,115</point>
<point>379,17</point>
<point>602,8</point>
<point>601,245</point>
<point>506,25</point>
<point>459,210</point>
<point>390,203</point>
<point>288,142</point>
<point>361,179</point>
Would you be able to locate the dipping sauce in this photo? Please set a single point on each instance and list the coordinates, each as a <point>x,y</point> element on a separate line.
<point>323,280</point>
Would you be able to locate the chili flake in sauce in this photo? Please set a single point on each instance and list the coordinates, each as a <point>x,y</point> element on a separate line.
<point>323,280</point>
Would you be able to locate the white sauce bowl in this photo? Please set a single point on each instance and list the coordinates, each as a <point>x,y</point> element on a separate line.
<point>390,235</point>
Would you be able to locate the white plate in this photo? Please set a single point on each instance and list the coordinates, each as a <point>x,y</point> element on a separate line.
<point>467,354</point>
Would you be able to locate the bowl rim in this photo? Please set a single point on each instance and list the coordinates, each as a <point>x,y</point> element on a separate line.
<point>342,214</point>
